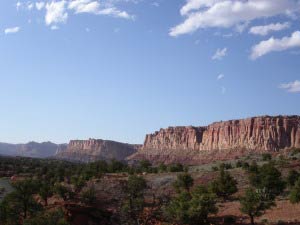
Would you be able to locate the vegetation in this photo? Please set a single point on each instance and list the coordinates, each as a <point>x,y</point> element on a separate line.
<point>266,156</point>
<point>191,207</point>
<point>293,176</point>
<point>295,193</point>
<point>254,204</point>
<point>36,181</point>
<point>184,181</point>
<point>225,185</point>
<point>134,202</point>
<point>267,179</point>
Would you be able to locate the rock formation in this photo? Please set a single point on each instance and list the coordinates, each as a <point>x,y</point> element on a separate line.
<point>221,140</point>
<point>31,149</point>
<point>96,149</point>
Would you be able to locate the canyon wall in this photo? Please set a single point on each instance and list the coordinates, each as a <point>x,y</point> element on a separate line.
<point>221,140</point>
<point>96,149</point>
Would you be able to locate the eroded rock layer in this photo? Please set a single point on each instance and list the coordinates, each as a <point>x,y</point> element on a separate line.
<point>96,149</point>
<point>221,139</point>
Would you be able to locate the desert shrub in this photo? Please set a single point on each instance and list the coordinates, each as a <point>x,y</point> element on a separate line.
<point>267,179</point>
<point>253,167</point>
<point>254,204</point>
<point>162,168</point>
<point>176,168</point>
<point>184,181</point>
<point>224,185</point>
<point>134,203</point>
<point>191,208</point>
<point>245,166</point>
<point>64,192</point>
<point>19,204</point>
<point>215,168</point>
<point>266,156</point>
<point>226,166</point>
<point>295,192</point>
<point>239,164</point>
<point>45,191</point>
<point>47,218</point>
<point>292,177</point>
<point>295,151</point>
<point>88,196</point>
<point>265,221</point>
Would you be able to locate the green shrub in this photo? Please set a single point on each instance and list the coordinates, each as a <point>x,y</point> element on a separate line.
<point>266,156</point>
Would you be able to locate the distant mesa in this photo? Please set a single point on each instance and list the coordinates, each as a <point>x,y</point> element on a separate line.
<point>31,149</point>
<point>96,149</point>
<point>185,144</point>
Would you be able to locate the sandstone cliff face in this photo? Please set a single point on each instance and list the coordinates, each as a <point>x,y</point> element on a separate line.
<point>96,149</point>
<point>222,139</point>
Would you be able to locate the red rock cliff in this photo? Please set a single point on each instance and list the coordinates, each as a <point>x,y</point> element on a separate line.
<point>188,144</point>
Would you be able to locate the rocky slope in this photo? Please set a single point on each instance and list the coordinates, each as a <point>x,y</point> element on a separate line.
<point>31,149</point>
<point>96,149</point>
<point>221,140</point>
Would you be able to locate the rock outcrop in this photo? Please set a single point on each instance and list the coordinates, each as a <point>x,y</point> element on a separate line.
<point>221,140</point>
<point>31,149</point>
<point>96,149</point>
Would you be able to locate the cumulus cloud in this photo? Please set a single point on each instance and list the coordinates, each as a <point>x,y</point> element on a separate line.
<point>18,5</point>
<point>56,12</point>
<point>220,76</point>
<point>292,87</point>
<point>229,13</point>
<point>265,30</point>
<point>12,30</point>
<point>220,54</point>
<point>94,7</point>
<point>275,45</point>
<point>39,5</point>
<point>84,6</point>
<point>30,6</point>
<point>112,11</point>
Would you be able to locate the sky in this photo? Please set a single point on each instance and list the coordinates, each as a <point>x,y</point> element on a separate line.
<point>119,69</point>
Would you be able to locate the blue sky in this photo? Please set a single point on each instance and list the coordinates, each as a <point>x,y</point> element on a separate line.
<point>118,69</point>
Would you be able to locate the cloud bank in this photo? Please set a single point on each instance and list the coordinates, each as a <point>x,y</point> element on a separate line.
<point>229,13</point>
<point>293,87</point>
<point>275,45</point>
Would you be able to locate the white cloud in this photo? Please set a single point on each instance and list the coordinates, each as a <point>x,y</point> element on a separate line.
<point>292,87</point>
<point>265,30</point>
<point>94,7</point>
<point>18,5</point>
<point>220,76</point>
<point>275,45</point>
<point>84,6</point>
<point>220,54</point>
<point>12,30</point>
<point>30,6</point>
<point>229,13</point>
<point>56,12</point>
<point>39,5</point>
<point>112,11</point>
<point>54,27</point>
